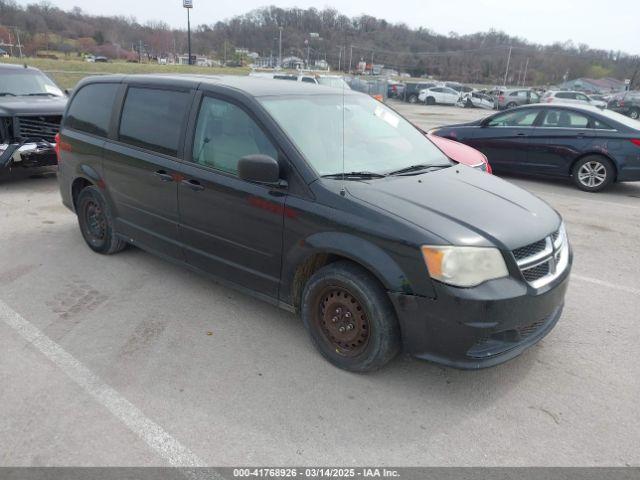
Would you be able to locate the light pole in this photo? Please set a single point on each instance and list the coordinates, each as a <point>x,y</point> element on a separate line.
<point>188,4</point>
<point>280,49</point>
<point>506,73</point>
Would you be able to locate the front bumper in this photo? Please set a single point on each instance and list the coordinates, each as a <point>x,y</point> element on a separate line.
<point>28,155</point>
<point>479,327</point>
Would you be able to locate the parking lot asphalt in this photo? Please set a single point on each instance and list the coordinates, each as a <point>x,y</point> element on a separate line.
<point>130,360</point>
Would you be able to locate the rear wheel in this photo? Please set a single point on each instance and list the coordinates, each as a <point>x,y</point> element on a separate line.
<point>593,173</point>
<point>349,317</point>
<point>96,222</point>
<point>635,113</point>
<point>413,99</point>
<point>512,105</point>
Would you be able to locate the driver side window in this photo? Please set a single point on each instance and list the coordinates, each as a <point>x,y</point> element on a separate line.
<point>522,118</point>
<point>226,133</point>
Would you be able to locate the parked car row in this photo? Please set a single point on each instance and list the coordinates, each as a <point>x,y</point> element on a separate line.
<point>503,98</point>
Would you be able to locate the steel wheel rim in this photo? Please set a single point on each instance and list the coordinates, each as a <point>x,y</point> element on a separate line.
<point>96,222</point>
<point>592,174</point>
<point>342,321</point>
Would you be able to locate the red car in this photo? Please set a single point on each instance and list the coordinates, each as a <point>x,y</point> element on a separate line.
<point>461,153</point>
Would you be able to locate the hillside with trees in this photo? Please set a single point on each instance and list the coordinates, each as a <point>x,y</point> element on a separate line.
<point>340,40</point>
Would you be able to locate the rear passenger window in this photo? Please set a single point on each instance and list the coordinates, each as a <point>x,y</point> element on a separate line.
<point>90,110</point>
<point>153,119</point>
<point>565,119</point>
<point>225,133</point>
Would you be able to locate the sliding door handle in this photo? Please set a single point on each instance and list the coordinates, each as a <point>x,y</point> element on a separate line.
<point>193,185</point>
<point>163,175</point>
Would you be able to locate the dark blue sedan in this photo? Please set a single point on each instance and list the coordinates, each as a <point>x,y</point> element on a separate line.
<point>593,147</point>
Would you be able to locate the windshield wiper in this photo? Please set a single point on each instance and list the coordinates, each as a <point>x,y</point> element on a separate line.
<point>417,168</point>
<point>5,94</point>
<point>355,175</point>
<point>42,94</point>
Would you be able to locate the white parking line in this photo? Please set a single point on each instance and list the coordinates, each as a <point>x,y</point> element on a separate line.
<point>150,432</point>
<point>602,283</point>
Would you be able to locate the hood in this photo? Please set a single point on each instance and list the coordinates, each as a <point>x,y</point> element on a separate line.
<point>12,106</point>
<point>463,206</point>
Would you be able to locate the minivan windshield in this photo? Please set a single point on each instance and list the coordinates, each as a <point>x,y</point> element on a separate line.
<point>23,82</point>
<point>373,137</point>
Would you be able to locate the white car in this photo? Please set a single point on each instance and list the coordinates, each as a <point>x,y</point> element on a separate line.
<point>569,97</point>
<point>443,95</point>
<point>476,100</point>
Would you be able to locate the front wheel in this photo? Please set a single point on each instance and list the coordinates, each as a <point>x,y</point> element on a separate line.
<point>350,318</point>
<point>593,173</point>
<point>413,99</point>
<point>431,101</point>
<point>634,113</point>
<point>512,105</point>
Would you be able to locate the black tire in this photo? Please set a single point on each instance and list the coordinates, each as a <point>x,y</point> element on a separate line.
<point>430,101</point>
<point>634,113</point>
<point>343,294</point>
<point>593,173</point>
<point>511,105</point>
<point>413,99</point>
<point>96,222</point>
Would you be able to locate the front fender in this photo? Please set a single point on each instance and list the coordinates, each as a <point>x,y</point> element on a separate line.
<point>364,252</point>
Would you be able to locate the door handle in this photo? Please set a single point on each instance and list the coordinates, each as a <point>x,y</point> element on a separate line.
<point>163,175</point>
<point>520,134</point>
<point>193,185</point>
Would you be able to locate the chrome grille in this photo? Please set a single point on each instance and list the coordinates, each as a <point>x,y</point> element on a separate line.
<point>41,127</point>
<point>530,250</point>
<point>543,261</point>
<point>536,273</point>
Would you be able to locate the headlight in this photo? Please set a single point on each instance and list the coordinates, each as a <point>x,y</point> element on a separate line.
<point>464,266</point>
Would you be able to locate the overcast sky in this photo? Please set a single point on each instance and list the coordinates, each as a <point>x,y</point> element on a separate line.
<point>600,24</point>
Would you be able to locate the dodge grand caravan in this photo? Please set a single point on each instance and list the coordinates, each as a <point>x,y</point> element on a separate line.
<point>325,203</point>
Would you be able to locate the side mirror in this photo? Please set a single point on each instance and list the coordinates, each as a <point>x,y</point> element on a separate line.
<point>259,169</point>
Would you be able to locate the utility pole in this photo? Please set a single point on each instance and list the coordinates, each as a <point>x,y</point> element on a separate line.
<point>18,39</point>
<point>340,59</point>
<point>506,73</point>
<point>139,51</point>
<point>188,4</point>
<point>372,52</point>
<point>10,44</point>
<point>280,49</point>
<point>351,59</point>
<point>524,78</point>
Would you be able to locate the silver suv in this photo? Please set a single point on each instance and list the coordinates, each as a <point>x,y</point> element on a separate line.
<point>515,98</point>
<point>571,97</point>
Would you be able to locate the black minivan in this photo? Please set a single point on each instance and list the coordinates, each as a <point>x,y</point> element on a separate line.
<point>323,202</point>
